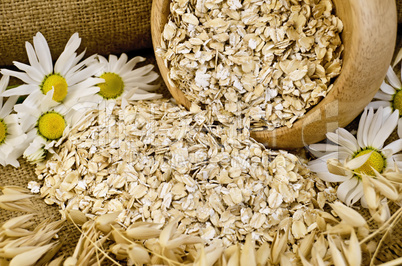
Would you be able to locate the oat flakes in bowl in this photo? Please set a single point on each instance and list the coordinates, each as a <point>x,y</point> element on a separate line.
<point>271,62</point>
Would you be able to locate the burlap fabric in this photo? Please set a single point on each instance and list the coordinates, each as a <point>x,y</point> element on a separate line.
<point>106,27</point>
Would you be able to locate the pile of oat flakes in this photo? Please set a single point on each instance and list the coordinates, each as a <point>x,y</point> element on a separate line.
<point>255,64</point>
<point>154,161</point>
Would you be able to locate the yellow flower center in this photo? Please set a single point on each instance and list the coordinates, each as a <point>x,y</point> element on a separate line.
<point>58,83</point>
<point>3,131</point>
<point>51,125</point>
<point>113,86</point>
<point>376,161</point>
<point>397,101</point>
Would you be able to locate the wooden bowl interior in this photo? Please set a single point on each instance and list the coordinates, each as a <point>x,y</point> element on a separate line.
<point>369,37</point>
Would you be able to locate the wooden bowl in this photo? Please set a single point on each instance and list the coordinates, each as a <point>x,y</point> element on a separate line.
<point>369,37</point>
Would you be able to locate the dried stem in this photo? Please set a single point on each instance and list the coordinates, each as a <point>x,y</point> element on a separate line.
<point>94,245</point>
<point>395,216</point>
<point>394,262</point>
<point>386,234</point>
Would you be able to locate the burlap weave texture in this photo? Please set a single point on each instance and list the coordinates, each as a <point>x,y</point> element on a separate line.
<point>106,26</point>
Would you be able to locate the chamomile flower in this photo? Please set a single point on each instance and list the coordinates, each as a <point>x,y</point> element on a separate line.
<point>359,157</point>
<point>69,78</point>
<point>123,81</point>
<point>390,95</point>
<point>12,137</point>
<point>47,126</point>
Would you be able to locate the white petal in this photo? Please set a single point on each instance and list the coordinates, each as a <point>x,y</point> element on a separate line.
<point>355,195</point>
<point>65,66</point>
<point>83,89</point>
<point>318,166</point>
<point>20,75</point>
<point>82,75</point>
<point>112,62</point>
<point>89,101</point>
<point>102,60</point>
<point>73,39</point>
<point>398,58</point>
<point>375,125</point>
<point>33,60</point>
<point>28,123</point>
<point>358,161</point>
<point>43,52</point>
<point>7,160</point>
<point>110,106</point>
<point>383,96</point>
<point>3,84</point>
<point>18,91</point>
<point>394,147</point>
<point>124,103</point>
<point>148,96</point>
<point>387,112</point>
<point>15,131</point>
<point>69,51</point>
<point>324,147</point>
<point>393,79</point>
<point>8,106</point>
<point>390,163</point>
<point>120,63</point>
<point>75,96</point>
<point>333,155</point>
<point>366,127</point>
<point>400,128</point>
<point>7,148</point>
<point>24,108</point>
<point>386,130</point>
<point>378,104</point>
<point>35,145</point>
<point>131,64</point>
<point>32,72</point>
<point>346,188</point>
<point>86,83</point>
<point>338,139</point>
<point>138,72</point>
<point>386,88</point>
<point>348,136</point>
<point>13,162</point>
<point>314,149</point>
<point>360,130</point>
<point>16,140</point>
<point>72,65</point>
<point>141,90</point>
<point>11,119</point>
<point>145,87</point>
<point>328,177</point>
<point>89,60</point>
<point>143,79</point>
<point>47,102</point>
